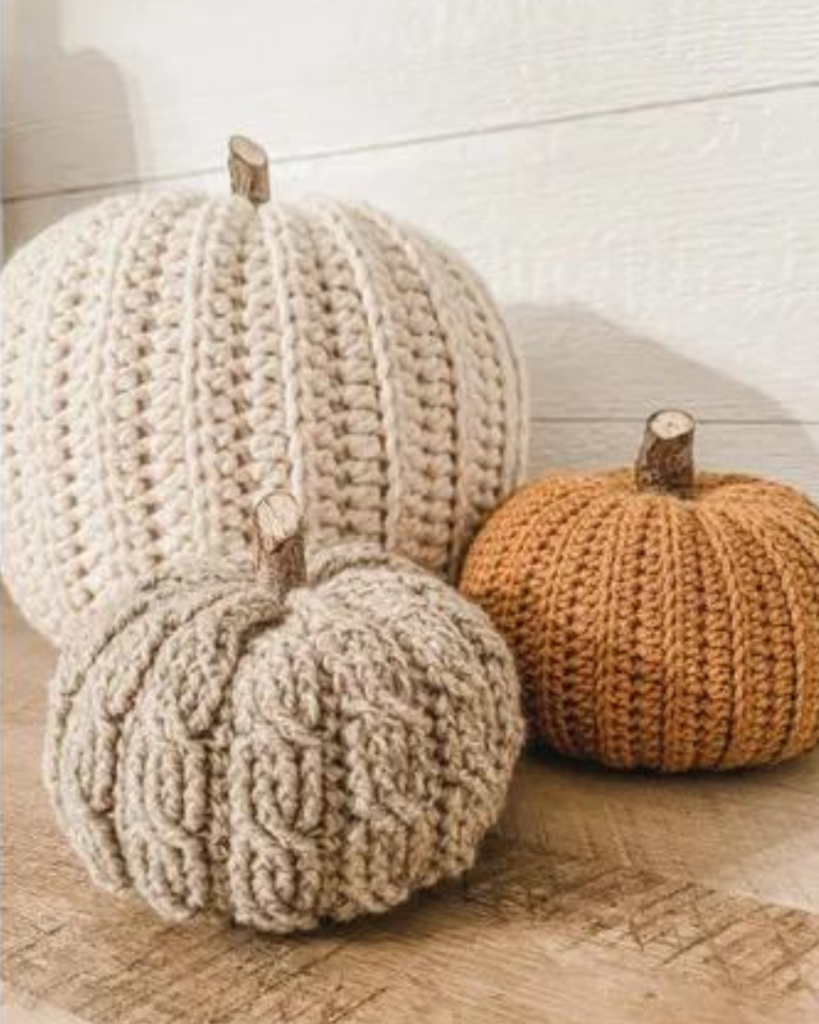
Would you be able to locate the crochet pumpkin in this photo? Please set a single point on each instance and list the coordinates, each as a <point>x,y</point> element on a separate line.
<point>167,356</point>
<point>660,619</point>
<point>278,750</point>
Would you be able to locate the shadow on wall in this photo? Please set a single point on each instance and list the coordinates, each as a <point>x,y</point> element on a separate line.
<point>66,113</point>
<point>592,383</point>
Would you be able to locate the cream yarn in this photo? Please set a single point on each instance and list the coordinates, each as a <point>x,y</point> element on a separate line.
<point>283,760</point>
<point>166,355</point>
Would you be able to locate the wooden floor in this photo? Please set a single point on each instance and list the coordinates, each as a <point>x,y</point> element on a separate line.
<point>603,897</point>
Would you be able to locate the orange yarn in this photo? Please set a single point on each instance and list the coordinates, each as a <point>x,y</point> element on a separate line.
<point>656,631</point>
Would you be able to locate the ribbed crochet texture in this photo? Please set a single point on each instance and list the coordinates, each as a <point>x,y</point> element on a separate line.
<point>659,632</point>
<point>283,761</point>
<point>165,356</point>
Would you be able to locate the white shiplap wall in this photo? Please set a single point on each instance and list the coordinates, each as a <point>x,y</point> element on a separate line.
<point>638,181</point>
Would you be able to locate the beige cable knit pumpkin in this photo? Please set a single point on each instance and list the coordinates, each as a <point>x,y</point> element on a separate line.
<point>167,355</point>
<point>277,752</point>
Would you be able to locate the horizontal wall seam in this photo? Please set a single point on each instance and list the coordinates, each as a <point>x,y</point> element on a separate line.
<point>503,128</point>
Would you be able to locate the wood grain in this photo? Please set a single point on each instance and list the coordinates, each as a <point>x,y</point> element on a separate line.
<point>96,93</point>
<point>602,896</point>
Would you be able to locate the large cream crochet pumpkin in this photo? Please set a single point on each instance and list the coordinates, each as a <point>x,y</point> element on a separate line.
<point>166,354</point>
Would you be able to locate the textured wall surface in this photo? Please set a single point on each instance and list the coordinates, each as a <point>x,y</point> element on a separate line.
<point>638,182</point>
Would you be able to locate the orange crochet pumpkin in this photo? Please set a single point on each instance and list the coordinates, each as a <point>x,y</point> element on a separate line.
<point>659,618</point>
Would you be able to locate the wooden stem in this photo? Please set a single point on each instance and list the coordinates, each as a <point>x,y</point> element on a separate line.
<point>278,543</point>
<point>666,460</point>
<point>249,176</point>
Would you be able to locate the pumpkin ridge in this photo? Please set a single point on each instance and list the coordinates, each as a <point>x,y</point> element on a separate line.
<point>149,386</point>
<point>555,675</point>
<point>801,523</point>
<point>101,853</point>
<point>465,432</point>
<point>267,846</point>
<point>788,571</point>
<point>713,526</point>
<point>488,576</point>
<point>374,330</point>
<point>603,713</point>
<point>408,642</point>
<point>475,398</point>
<point>504,600</point>
<point>634,573</point>
<point>384,344</point>
<point>48,451</point>
<point>513,416</point>
<point>695,639</point>
<point>350,460</point>
<point>221,784</point>
<point>362,795</point>
<point>166,502</point>
<point>216,421</point>
<point>39,538</point>
<point>714,638</point>
<point>677,704</point>
<point>131,387</point>
<point>760,627</point>
<point>262,327</point>
<point>614,739</point>
<point>374,619</point>
<point>766,732</point>
<point>319,378</point>
<point>189,403</point>
<point>168,814</point>
<point>98,652</point>
<point>279,222</point>
<point>238,484</point>
<point>118,549</point>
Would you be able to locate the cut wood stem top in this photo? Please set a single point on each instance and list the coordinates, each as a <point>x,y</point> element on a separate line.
<point>248,166</point>
<point>278,542</point>
<point>666,460</point>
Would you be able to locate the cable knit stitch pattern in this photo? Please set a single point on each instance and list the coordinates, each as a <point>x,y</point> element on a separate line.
<point>658,632</point>
<point>283,761</point>
<point>165,356</point>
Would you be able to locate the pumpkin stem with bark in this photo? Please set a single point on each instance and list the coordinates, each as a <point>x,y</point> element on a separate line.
<point>247,163</point>
<point>666,460</point>
<point>278,542</point>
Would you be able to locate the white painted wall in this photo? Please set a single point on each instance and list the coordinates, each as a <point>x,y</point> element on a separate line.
<point>638,181</point>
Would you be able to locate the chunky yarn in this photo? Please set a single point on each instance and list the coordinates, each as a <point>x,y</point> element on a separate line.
<point>283,759</point>
<point>166,356</point>
<point>659,631</point>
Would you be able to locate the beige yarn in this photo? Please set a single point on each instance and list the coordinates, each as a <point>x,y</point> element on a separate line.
<point>166,355</point>
<point>287,761</point>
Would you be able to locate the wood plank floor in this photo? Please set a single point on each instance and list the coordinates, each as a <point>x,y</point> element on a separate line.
<point>601,897</point>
